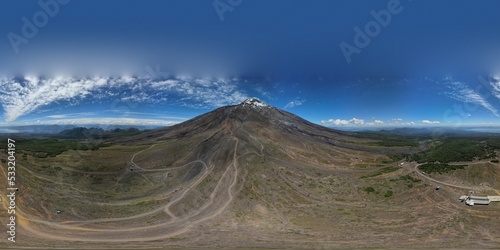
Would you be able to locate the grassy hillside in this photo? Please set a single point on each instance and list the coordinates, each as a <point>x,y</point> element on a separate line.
<point>455,150</point>
<point>390,140</point>
<point>42,148</point>
<point>72,139</point>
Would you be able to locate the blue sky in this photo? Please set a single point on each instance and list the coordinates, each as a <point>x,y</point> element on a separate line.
<point>416,63</point>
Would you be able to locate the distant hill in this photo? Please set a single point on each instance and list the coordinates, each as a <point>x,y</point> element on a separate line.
<point>36,129</point>
<point>438,131</point>
<point>55,129</point>
<point>95,133</point>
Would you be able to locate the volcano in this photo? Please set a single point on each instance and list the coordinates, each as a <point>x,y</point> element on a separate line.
<point>250,119</point>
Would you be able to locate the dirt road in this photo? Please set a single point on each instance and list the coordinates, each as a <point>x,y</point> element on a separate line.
<point>96,230</point>
<point>436,181</point>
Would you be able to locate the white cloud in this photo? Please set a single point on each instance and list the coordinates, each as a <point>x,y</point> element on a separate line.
<point>19,97</point>
<point>375,123</point>
<point>71,115</point>
<point>294,103</point>
<point>139,97</point>
<point>396,122</point>
<point>126,113</point>
<point>461,92</point>
<point>57,116</point>
<point>427,122</point>
<point>495,85</point>
<point>473,97</point>
<point>339,122</point>
<point>216,94</point>
<point>334,122</point>
<point>357,121</point>
<point>263,92</point>
<point>110,121</point>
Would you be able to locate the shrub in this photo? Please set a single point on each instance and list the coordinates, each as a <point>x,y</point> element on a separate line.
<point>381,172</point>
<point>439,168</point>
<point>409,178</point>
<point>453,150</point>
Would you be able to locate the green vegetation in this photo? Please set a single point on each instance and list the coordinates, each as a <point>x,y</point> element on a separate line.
<point>390,140</point>
<point>381,171</point>
<point>369,189</point>
<point>453,150</point>
<point>388,194</point>
<point>50,170</point>
<point>439,168</point>
<point>72,139</point>
<point>407,178</point>
<point>96,133</point>
<point>397,157</point>
<point>42,148</point>
<point>397,143</point>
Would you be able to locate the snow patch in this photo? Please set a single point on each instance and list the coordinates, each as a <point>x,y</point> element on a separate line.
<point>254,102</point>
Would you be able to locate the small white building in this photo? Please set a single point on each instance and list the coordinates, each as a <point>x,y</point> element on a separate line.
<point>494,198</point>
<point>472,202</point>
<point>472,197</point>
<point>478,200</point>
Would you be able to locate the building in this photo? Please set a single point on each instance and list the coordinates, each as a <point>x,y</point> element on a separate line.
<point>478,200</point>
<point>472,197</point>
<point>494,198</point>
<point>472,202</point>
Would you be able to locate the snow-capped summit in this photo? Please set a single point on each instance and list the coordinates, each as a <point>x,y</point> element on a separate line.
<point>254,102</point>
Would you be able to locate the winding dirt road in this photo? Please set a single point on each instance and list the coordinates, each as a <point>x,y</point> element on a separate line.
<point>436,181</point>
<point>96,230</point>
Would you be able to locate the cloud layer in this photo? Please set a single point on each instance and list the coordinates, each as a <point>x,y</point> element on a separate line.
<point>460,91</point>
<point>108,121</point>
<point>354,122</point>
<point>22,96</point>
<point>339,122</point>
<point>375,122</point>
<point>427,122</point>
<point>294,103</point>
